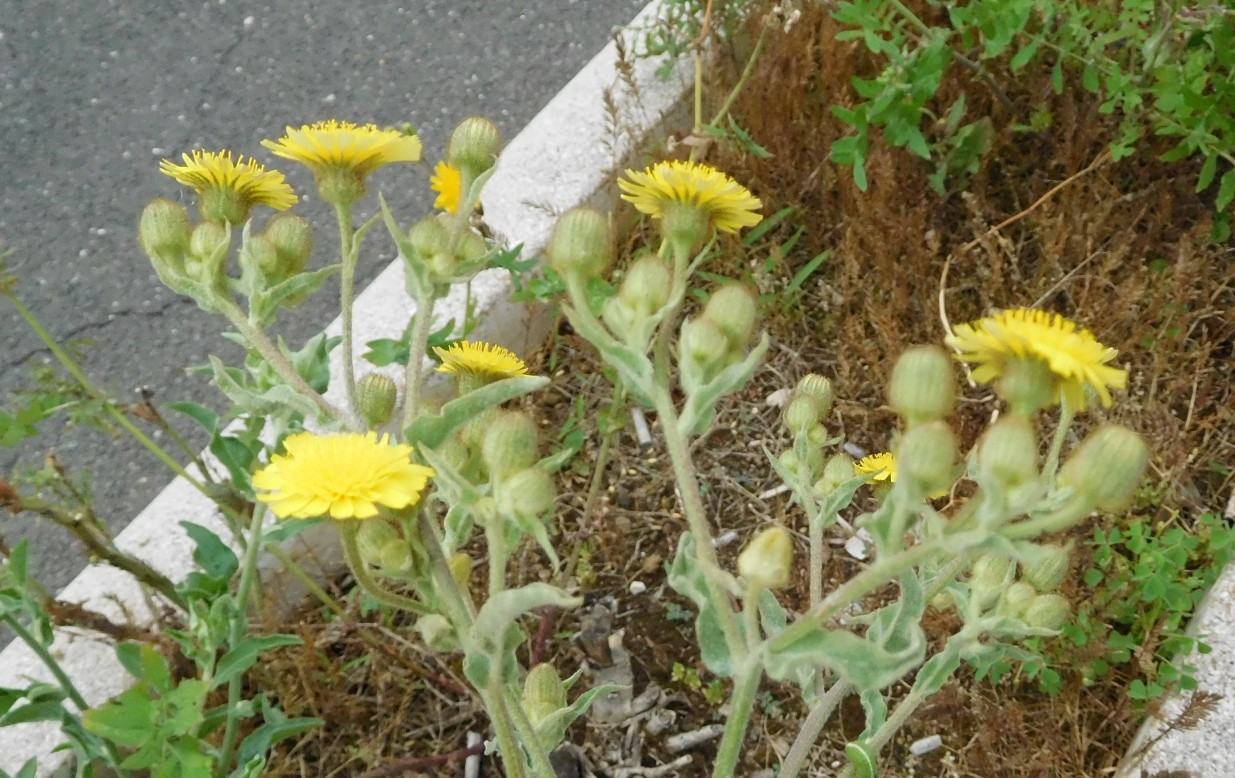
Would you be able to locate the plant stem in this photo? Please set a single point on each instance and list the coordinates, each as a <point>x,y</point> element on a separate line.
<point>497,556</point>
<point>745,685</point>
<point>507,743</point>
<point>365,580</point>
<point>1051,468</point>
<point>747,71</point>
<point>541,765</point>
<point>45,656</point>
<point>458,606</point>
<point>347,292</point>
<point>421,326</point>
<point>239,627</point>
<point>795,760</point>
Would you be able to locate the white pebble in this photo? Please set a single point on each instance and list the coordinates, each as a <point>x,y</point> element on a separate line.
<point>925,745</point>
<point>637,587</point>
<point>725,539</point>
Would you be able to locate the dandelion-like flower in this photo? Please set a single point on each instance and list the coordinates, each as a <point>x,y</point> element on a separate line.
<point>447,181</point>
<point>881,466</point>
<point>1074,357</point>
<point>485,360</point>
<point>228,188</point>
<point>342,154</point>
<point>691,197</point>
<point>345,476</point>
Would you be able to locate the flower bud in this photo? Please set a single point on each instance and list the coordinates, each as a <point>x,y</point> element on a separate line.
<point>376,395</point>
<point>685,226</point>
<point>1107,467</point>
<point>543,693</point>
<point>989,578</point>
<point>474,146</point>
<point>1047,611</point>
<point>818,387</point>
<point>734,310</point>
<point>259,257</point>
<point>1047,571</point>
<point>805,463</point>
<point>461,569</point>
<point>647,284</point>
<point>1008,453</point>
<point>371,538</point>
<point>581,244</point>
<point>430,243</point>
<point>292,237</point>
<point>837,471</point>
<point>163,233</point>
<point>437,633</point>
<point>1027,385</point>
<point>206,239</point>
<point>395,556</point>
<point>802,413</point>
<point>767,560</point>
<point>529,493</point>
<point>619,317</point>
<point>1016,598</point>
<point>703,347</point>
<point>509,444</point>
<point>922,387</point>
<point>926,454</point>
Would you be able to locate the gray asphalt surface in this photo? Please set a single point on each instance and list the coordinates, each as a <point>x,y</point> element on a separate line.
<point>93,94</point>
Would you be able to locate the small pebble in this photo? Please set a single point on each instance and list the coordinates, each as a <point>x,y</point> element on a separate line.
<point>725,539</point>
<point>637,587</point>
<point>925,745</point>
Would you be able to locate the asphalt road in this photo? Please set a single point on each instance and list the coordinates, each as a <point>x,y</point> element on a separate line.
<point>94,94</point>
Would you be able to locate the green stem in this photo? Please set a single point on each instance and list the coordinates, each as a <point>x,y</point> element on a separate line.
<point>497,555</point>
<point>239,627</point>
<point>365,579</point>
<point>45,656</point>
<point>795,760</point>
<point>459,609</point>
<point>507,743</point>
<point>347,292</point>
<point>1051,468</point>
<point>741,703</point>
<point>732,97</point>
<point>421,327</point>
<point>541,765</point>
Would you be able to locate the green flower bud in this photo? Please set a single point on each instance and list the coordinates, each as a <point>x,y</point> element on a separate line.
<point>510,444</point>
<point>734,310</point>
<point>437,633</point>
<point>1047,571</point>
<point>292,237</point>
<point>430,243</point>
<point>461,569</point>
<point>619,317</point>
<point>474,146</point>
<point>767,560</point>
<point>395,556</point>
<point>258,256</point>
<point>989,578</point>
<point>163,233</point>
<point>685,226</point>
<point>1047,611</point>
<point>837,471</point>
<point>1107,467</point>
<point>647,284</point>
<point>581,244</point>
<point>377,395</point>
<point>371,538</point>
<point>1016,598</point>
<point>703,348</point>
<point>817,387</point>
<point>543,693</point>
<point>206,239</point>
<point>926,454</point>
<point>805,463</point>
<point>1027,385</point>
<point>529,493</point>
<point>922,388</point>
<point>802,413</point>
<point>1008,453</point>
<point>471,248</point>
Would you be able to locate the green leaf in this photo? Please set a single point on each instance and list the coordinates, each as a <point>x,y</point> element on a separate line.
<point>431,429</point>
<point>1226,191</point>
<point>245,653</point>
<point>278,401</point>
<point>262,739</point>
<point>210,553</point>
<point>290,293</point>
<point>748,143</point>
<point>129,721</point>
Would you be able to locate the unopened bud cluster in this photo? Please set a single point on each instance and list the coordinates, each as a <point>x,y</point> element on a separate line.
<point>719,337</point>
<point>1032,598</point>
<point>510,451</point>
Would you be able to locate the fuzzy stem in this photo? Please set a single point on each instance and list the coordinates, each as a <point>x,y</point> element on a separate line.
<point>497,556</point>
<point>421,326</point>
<point>741,703</point>
<point>795,760</point>
<point>49,661</point>
<point>541,765</point>
<point>1051,468</point>
<point>347,292</point>
<point>507,743</point>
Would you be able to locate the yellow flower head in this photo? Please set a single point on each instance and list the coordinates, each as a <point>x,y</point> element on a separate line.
<point>881,466</point>
<point>691,197</point>
<point>447,181</point>
<point>229,188</point>
<point>346,476</point>
<point>481,359</point>
<point>1073,356</point>
<point>342,154</point>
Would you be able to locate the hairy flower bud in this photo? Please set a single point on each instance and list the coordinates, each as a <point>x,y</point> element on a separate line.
<point>1107,467</point>
<point>376,395</point>
<point>543,693</point>
<point>619,316</point>
<point>1008,453</point>
<point>581,244</point>
<point>474,146</point>
<point>805,463</point>
<point>1048,569</point>
<point>529,493</point>
<point>510,444</point>
<point>1027,385</point>
<point>702,349</point>
<point>430,244</point>
<point>734,310</point>
<point>989,578</point>
<point>1047,611</point>
<point>767,560</point>
<point>647,284</point>
<point>206,239</point>
<point>163,233</point>
<point>926,454</point>
<point>818,387</point>
<point>1016,598</point>
<point>371,538</point>
<point>259,257</point>
<point>292,237</point>
<point>922,388</point>
<point>838,470</point>
<point>802,413</point>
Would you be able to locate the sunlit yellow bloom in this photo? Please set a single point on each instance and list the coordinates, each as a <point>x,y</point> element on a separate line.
<point>1076,358</point>
<point>338,151</point>
<point>727,205</point>
<point>483,359</point>
<point>881,466</point>
<point>229,188</point>
<point>447,181</point>
<point>343,476</point>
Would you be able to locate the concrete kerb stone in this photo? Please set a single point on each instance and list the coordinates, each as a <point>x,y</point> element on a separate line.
<point>562,159</point>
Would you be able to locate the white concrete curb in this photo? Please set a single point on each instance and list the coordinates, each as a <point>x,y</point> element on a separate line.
<point>562,159</point>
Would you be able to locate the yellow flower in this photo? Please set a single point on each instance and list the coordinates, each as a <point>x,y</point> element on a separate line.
<point>882,466</point>
<point>1074,357</point>
<point>447,181</point>
<point>483,359</point>
<point>342,154</point>
<point>229,188</point>
<point>690,197</point>
<point>346,476</point>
